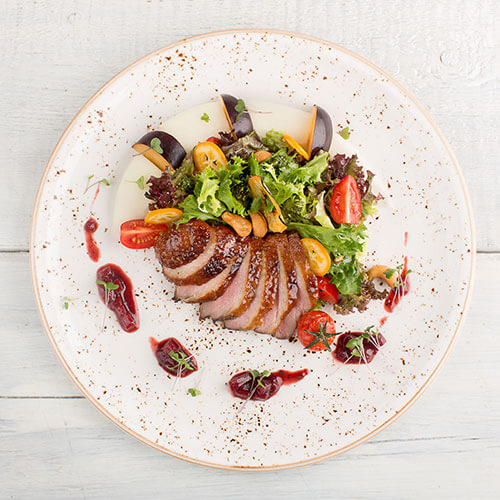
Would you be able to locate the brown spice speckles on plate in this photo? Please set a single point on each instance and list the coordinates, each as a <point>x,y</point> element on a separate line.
<point>325,418</point>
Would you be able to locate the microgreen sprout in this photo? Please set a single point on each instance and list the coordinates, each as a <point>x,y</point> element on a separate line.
<point>101,181</point>
<point>141,183</point>
<point>401,279</point>
<point>108,285</point>
<point>258,376</point>
<point>345,133</point>
<point>181,360</point>
<point>320,336</point>
<point>389,273</point>
<point>156,145</point>
<point>194,392</point>
<point>240,108</point>
<point>205,117</point>
<point>357,344</point>
<point>66,302</point>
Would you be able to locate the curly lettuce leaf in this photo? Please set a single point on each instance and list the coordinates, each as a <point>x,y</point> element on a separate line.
<point>320,214</point>
<point>345,240</point>
<point>190,210</point>
<point>225,195</point>
<point>244,146</point>
<point>310,173</point>
<point>205,190</point>
<point>346,276</point>
<point>274,141</point>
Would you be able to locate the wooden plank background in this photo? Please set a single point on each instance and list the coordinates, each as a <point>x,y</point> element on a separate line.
<point>54,55</point>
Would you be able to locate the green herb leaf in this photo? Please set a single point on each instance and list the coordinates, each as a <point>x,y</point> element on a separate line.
<point>141,183</point>
<point>182,361</point>
<point>344,133</point>
<point>205,117</point>
<point>240,108</point>
<point>274,141</point>
<point>258,376</point>
<point>389,273</point>
<point>105,182</point>
<point>90,177</point>
<point>67,300</point>
<point>156,145</point>
<point>194,392</point>
<point>108,285</point>
<point>356,345</point>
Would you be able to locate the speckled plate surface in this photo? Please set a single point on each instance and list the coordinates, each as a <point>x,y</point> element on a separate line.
<point>336,406</point>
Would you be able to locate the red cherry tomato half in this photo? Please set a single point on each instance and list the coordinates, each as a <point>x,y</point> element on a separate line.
<point>345,205</point>
<point>316,331</point>
<point>327,290</point>
<point>213,139</point>
<point>139,234</point>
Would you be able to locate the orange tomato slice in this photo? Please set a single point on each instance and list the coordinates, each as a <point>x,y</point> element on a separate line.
<point>163,216</point>
<point>295,145</point>
<point>207,154</point>
<point>317,255</point>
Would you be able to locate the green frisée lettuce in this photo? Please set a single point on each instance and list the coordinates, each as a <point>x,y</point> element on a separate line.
<point>345,242</point>
<point>309,174</point>
<point>190,210</point>
<point>300,189</point>
<point>346,276</point>
<point>274,141</point>
<point>320,214</point>
<point>205,190</point>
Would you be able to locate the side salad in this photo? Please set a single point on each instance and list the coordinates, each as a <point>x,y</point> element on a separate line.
<point>242,179</point>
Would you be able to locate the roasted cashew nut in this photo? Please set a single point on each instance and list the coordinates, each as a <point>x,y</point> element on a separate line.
<point>242,226</point>
<point>380,271</point>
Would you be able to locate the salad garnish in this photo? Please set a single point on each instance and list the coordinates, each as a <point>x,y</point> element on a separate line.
<point>181,359</point>
<point>156,145</point>
<point>344,133</point>
<point>286,192</point>
<point>258,376</point>
<point>141,183</point>
<point>240,108</point>
<point>100,181</point>
<point>204,117</point>
<point>194,392</point>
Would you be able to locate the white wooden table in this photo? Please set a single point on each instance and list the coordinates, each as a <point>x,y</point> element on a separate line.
<point>54,55</point>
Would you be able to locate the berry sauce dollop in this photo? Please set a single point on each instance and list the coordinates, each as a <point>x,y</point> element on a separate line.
<point>370,348</point>
<point>173,357</point>
<point>245,386</point>
<point>122,300</point>
<point>89,228</point>
<point>398,292</point>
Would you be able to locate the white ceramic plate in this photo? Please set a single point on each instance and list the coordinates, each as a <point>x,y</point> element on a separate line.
<point>336,406</point>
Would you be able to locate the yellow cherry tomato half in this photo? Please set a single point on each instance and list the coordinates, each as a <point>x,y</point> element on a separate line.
<point>295,145</point>
<point>317,255</point>
<point>163,216</point>
<point>207,154</point>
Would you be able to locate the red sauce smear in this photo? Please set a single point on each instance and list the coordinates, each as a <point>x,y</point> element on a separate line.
<point>95,195</point>
<point>244,386</point>
<point>122,300</point>
<point>398,292</point>
<point>371,346</point>
<point>168,362</point>
<point>89,228</point>
<point>383,320</point>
